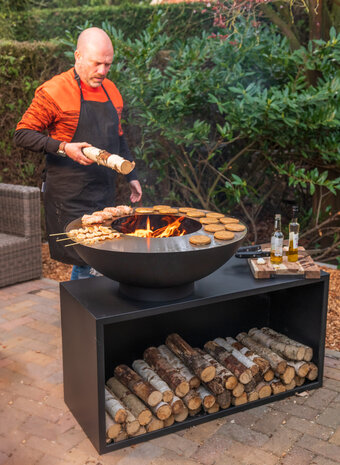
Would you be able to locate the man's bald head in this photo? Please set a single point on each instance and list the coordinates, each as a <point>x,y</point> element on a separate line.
<point>93,56</point>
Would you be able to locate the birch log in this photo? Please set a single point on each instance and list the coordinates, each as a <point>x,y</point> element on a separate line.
<point>301,368</point>
<point>114,408</point>
<point>252,395</point>
<point>192,400</point>
<point>277,386</point>
<point>190,357</point>
<point>238,390</point>
<point>298,380</point>
<point>208,400</point>
<point>263,389</point>
<point>177,405</point>
<point>170,357</point>
<point>291,385</point>
<point>112,427</point>
<point>166,371</point>
<point>136,406</point>
<point>288,375</point>
<point>224,399</point>
<point>104,158</point>
<point>169,421</point>
<point>145,371</point>
<point>162,410</point>
<point>313,372</point>
<point>194,412</point>
<point>229,361</point>
<point>142,430</point>
<point>239,400</point>
<point>224,378</point>
<point>215,408</point>
<point>154,425</point>
<point>276,345</point>
<point>277,363</point>
<point>253,367</point>
<point>132,425</point>
<point>296,350</point>
<point>121,436</point>
<point>137,385</point>
<point>183,415</point>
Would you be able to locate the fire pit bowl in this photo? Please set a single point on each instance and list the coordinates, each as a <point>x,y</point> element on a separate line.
<point>171,263</point>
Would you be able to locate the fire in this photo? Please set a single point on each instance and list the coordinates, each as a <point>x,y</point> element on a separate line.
<point>172,229</point>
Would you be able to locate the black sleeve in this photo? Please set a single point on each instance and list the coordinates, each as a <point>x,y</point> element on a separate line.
<point>125,153</point>
<point>35,141</point>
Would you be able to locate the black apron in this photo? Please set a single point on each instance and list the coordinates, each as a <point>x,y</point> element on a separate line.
<point>71,189</point>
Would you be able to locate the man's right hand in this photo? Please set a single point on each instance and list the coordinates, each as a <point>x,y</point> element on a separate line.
<point>73,150</point>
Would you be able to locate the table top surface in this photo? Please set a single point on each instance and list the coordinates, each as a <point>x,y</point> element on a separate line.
<point>101,297</point>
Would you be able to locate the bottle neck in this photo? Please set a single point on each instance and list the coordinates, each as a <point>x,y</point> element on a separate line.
<point>277,224</point>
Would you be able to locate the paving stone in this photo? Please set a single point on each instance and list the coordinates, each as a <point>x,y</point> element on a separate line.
<point>243,434</point>
<point>297,456</point>
<point>24,455</point>
<point>11,419</point>
<point>291,407</point>
<point>332,384</point>
<point>323,448</point>
<point>320,398</point>
<point>270,422</point>
<point>3,458</point>
<point>37,408</point>
<point>171,457</point>
<point>309,427</point>
<point>201,433</point>
<point>13,324</point>
<point>332,362</point>
<point>330,417</point>
<point>246,418</point>
<point>211,450</point>
<point>332,373</point>
<point>335,439</point>
<point>318,460</point>
<point>250,455</point>
<point>181,446</point>
<point>143,454</point>
<point>282,440</point>
<point>12,440</point>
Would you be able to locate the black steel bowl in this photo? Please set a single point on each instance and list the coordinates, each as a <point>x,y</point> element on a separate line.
<point>157,262</point>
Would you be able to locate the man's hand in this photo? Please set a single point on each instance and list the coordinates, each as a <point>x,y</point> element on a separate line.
<point>73,150</point>
<point>136,191</point>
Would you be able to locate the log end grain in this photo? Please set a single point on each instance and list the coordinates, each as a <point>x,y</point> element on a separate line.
<point>208,373</point>
<point>155,398</point>
<point>269,375</point>
<point>164,412</point>
<point>243,399</point>
<point>288,375</point>
<point>144,417</point>
<point>182,389</point>
<point>132,427</point>
<point>231,383</point>
<point>253,395</point>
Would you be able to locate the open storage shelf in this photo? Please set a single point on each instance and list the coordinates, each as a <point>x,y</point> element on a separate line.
<point>101,329</point>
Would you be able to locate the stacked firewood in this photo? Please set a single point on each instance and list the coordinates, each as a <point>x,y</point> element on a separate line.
<point>175,380</point>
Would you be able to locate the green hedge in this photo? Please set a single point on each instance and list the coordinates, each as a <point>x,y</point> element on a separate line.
<point>183,20</point>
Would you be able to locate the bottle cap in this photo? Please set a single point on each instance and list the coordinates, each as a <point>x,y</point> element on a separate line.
<point>277,216</point>
<point>295,209</point>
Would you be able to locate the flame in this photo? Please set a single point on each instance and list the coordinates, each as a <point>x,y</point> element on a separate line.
<point>172,229</point>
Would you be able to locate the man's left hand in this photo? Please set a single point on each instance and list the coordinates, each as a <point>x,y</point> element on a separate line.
<point>136,191</point>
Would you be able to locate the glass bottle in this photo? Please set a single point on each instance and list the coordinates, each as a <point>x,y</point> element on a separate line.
<point>276,250</point>
<point>294,229</point>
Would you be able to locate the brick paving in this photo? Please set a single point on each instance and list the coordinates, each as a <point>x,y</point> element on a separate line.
<point>36,427</point>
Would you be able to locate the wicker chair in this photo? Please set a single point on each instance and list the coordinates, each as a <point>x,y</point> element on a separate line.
<point>20,234</point>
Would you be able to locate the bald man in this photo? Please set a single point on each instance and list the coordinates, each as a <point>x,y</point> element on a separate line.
<point>78,108</point>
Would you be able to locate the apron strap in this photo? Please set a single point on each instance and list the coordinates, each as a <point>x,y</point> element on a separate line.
<point>77,78</point>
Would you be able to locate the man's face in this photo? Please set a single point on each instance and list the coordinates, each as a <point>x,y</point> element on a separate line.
<point>93,63</point>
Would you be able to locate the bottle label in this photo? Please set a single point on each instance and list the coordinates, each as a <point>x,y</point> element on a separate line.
<point>294,239</point>
<point>277,246</point>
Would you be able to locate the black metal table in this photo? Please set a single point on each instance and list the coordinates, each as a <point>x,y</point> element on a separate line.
<point>101,329</point>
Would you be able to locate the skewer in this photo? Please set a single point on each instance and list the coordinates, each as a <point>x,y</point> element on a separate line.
<point>58,234</point>
<point>64,239</point>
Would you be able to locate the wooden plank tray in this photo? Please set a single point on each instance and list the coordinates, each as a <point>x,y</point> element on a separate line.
<point>305,266</point>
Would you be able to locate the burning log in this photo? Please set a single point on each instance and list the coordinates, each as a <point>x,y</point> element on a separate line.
<point>166,371</point>
<point>192,400</point>
<point>239,400</point>
<point>154,425</point>
<point>301,368</point>
<point>112,427</point>
<point>145,371</point>
<point>295,350</point>
<point>162,410</point>
<point>170,357</point>
<point>190,357</point>
<point>313,372</point>
<point>229,361</point>
<point>262,363</point>
<point>177,405</point>
<point>115,162</point>
<point>224,378</point>
<point>208,400</point>
<point>137,385</point>
<point>247,362</point>
<point>114,408</point>
<point>277,386</point>
<point>183,415</point>
<point>277,363</point>
<point>136,406</point>
<point>224,399</point>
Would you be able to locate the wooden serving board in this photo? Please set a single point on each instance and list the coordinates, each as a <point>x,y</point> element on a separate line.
<point>304,266</point>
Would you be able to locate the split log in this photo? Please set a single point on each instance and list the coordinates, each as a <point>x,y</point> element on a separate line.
<point>112,428</point>
<point>291,385</point>
<point>229,361</point>
<point>190,357</point>
<point>154,425</point>
<point>253,395</point>
<point>301,368</point>
<point>192,400</point>
<point>137,385</point>
<point>262,363</point>
<point>167,372</point>
<point>183,415</point>
<point>224,378</point>
<point>146,372</point>
<point>169,421</point>
<point>132,425</point>
<point>136,406</point>
<point>215,408</point>
<point>288,376</point>
<point>162,410</point>
<point>142,430</point>
<point>114,408</point>
<point>277,386</point>
<point>224,399</point>
<point>238,390</point>
<point>177,405</point>
<point>207,398</point>
<point>249,387</point>
<point>194,412</point>
<point>277,363</point>
<point>295,350</point>
<point>121,437</point>
<point>115,162</point>
<point>298,380</point>
<point>269,375</point>
<point>313,372</point>
<point>239,400</point>
<point>264,390</point>
<point>253,367</point>
<point>174,361</point>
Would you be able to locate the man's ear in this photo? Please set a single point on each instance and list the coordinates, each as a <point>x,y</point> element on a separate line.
<point>77,55</point>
